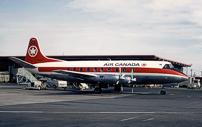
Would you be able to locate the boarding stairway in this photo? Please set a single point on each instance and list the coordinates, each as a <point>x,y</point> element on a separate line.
<point>80,86</point>
<point>23,76</point>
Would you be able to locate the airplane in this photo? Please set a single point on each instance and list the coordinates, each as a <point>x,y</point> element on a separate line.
<point>102,73</point>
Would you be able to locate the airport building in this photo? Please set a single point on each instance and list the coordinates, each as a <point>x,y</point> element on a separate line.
<point>8,67</point>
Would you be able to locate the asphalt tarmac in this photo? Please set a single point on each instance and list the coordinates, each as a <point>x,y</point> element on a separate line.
<point>180,107</point>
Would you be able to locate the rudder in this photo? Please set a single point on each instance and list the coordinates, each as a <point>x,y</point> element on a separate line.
<point>34,54</point>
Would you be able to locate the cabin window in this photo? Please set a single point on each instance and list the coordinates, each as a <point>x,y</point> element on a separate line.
<point>81,69</point>
<point>109,69</point>
<point>117,69</point>
<point>124,69</point>
<point>132,70</point>
<point>95,69</point>
<point>74,69</point>
<point>88,69</point>
<point>68,69</point>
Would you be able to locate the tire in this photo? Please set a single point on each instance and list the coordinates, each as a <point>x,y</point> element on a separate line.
<point>46,87</point>
<point>54,86</point>
<point>162,92</point>
<point>98,90</point>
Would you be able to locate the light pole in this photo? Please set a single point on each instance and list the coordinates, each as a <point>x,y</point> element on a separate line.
<point>191,72</point>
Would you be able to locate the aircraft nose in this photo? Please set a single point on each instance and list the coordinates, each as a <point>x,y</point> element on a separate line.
<point>184,79</point>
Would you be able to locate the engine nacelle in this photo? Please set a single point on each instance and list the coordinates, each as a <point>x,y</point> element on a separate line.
<point>105,78</point>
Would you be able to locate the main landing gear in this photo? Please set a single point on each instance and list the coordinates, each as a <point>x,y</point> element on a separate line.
<point>163,91</point>
<point>98,90</point>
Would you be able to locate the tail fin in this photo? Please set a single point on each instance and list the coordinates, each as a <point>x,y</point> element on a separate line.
<point>34,54</point>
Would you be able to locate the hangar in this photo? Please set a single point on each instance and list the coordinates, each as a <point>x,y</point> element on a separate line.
<point>8,66</point>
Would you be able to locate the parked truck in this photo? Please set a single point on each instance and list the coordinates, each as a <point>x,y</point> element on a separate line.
<point>57,84</point>
<point>195,84</point>
<point>37,85</point>
<point>191,83</point>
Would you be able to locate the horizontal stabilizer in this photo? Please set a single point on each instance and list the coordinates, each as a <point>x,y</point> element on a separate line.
<point>75,74</point>
<point>22,63</point>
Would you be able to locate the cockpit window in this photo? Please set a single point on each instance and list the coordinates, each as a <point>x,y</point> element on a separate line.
<point>171,66</point>
<point>168,66</point>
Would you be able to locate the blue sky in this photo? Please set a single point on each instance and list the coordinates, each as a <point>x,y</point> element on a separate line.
<point>167,28</point>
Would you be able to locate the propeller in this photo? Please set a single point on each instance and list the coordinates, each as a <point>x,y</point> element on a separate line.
<point>121,76</point>
<point>127,79</point>
<point>132,79</point>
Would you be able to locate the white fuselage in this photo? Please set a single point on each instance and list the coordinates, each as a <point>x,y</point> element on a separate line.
<point>141,71</point>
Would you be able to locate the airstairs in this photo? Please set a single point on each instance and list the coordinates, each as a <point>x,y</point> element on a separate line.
<point>24,76</point>
<point>81,86</point>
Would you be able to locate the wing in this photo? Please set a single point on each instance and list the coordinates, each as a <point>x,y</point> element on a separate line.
<point>22,63</point>
<point>75,74</point>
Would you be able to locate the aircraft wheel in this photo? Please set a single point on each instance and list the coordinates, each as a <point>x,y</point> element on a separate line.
<point>98,90</point>
<point>54,86</point>
<point>163,92</point>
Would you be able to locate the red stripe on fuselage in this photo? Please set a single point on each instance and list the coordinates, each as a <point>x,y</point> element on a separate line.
<point>113,70</point>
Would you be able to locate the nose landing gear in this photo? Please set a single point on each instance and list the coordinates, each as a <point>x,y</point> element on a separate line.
<point>162,91</point>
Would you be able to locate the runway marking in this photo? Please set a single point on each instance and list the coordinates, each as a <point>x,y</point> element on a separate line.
<point>77,112</point>
<point>128,112</point>
<point>148,119</point>
<point>129,118</point>
<point>21,112</point>
<point>100,112</point>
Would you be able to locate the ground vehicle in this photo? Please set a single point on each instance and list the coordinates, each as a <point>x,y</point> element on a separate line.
<point>36,85</point>
<point>194,84</point>
<point>56,83</point>
<point>191,83</point>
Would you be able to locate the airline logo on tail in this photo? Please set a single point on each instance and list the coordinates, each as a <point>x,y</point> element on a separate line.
<point>32,51</point>
<point>34,54</point>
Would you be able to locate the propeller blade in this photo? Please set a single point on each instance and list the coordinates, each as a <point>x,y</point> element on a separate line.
<point>132,79</point>
<point>132,74</point>
<point>121,75</point>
